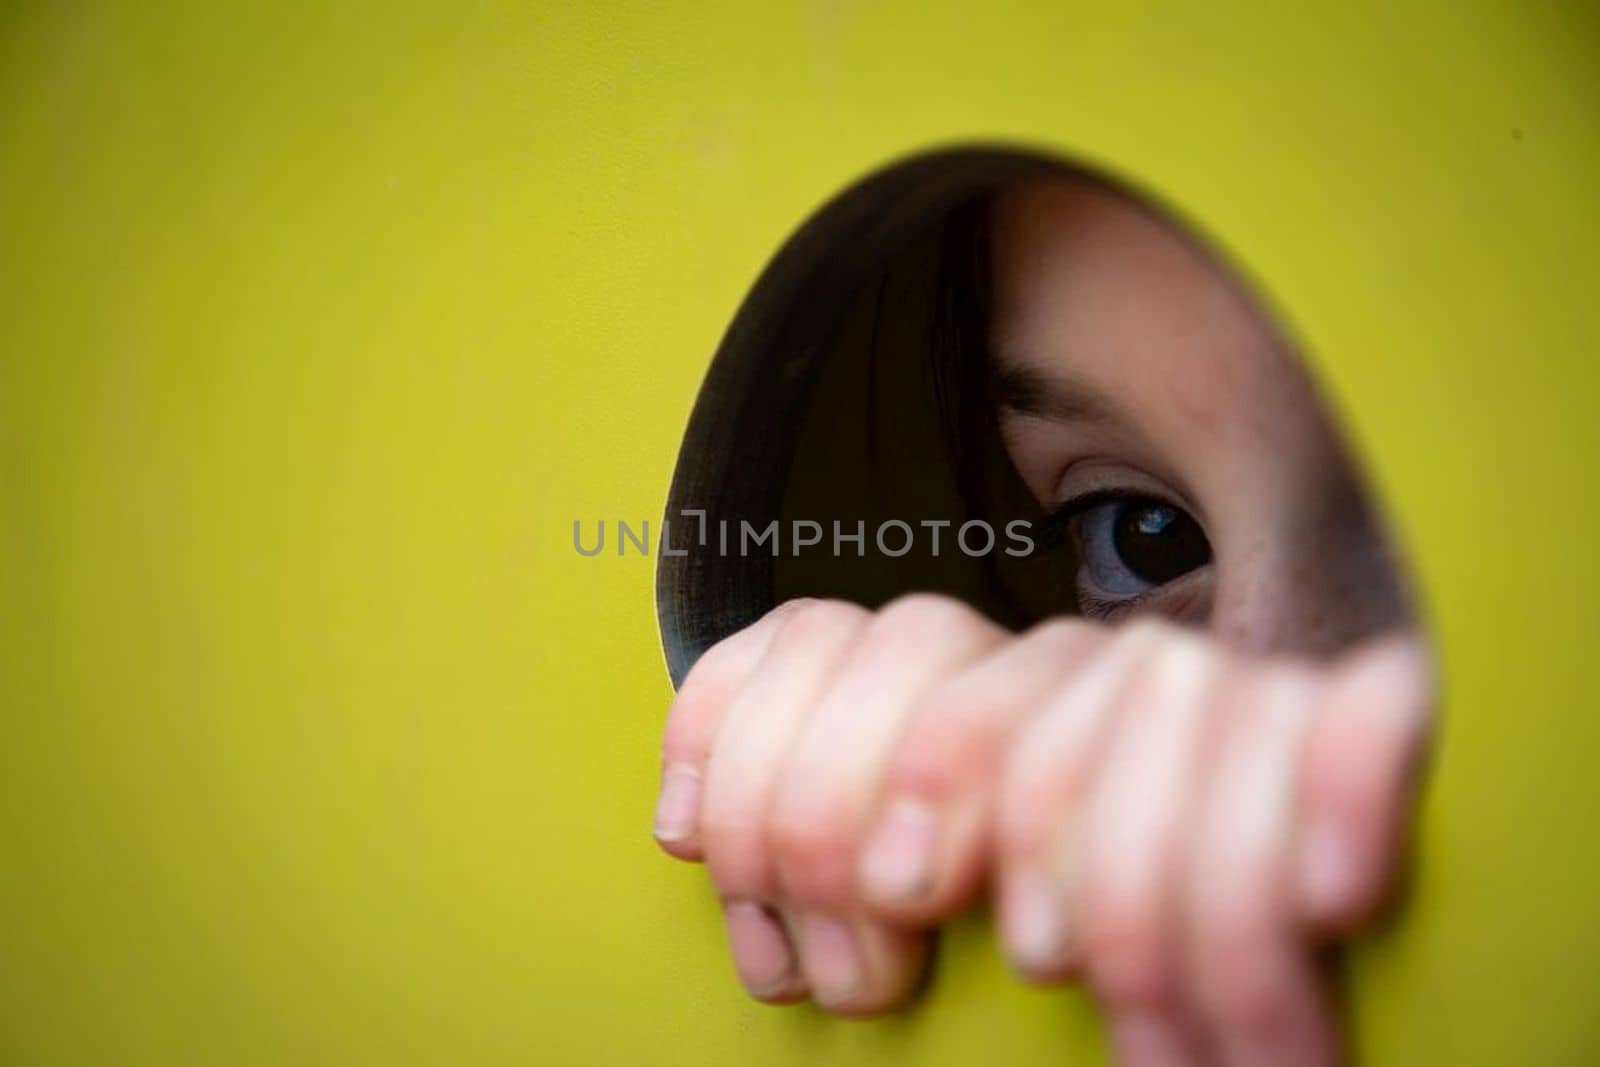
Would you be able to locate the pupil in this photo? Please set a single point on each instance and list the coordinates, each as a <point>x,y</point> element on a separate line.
<point>1158,542</point>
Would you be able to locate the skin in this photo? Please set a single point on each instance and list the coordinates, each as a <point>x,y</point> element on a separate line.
<point>1175,799</point>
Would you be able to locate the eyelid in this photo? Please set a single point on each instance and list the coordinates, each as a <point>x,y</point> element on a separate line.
<point>1085,481</point>
<point>1183,589</point>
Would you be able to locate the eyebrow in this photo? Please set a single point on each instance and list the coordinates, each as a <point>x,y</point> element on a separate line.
<point>1027,392</point>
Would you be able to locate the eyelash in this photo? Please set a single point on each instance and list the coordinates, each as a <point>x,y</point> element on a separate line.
<point>1106,609</point>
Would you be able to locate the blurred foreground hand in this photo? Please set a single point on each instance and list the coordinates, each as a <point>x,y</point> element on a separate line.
<point>1174,823</point>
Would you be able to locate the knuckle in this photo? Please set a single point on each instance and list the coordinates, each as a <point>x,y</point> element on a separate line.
<point>1149,632</point>
<point>791,605</point>
<point>1148,626</point>
<point>1173,671</point>
<point>814,621</point>
<point>736,857</point>
<point>712,681</point>
<point>714,664</point>
<point>804,837</point>
<point>813,858</point>
<point>1064,632</point>
<point>710,673</point>
<point>730,834</point>
<point>918,617</point>
<point>943,745</point>
<point>1187,652</point>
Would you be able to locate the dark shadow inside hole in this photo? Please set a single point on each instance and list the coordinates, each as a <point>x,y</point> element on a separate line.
<point>808,313</point>
<point>909,497</point>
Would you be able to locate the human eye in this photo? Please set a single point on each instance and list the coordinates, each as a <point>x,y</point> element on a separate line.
<point>1132,546</point>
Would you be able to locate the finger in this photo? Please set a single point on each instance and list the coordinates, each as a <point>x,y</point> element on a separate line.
<point>833,778</point>
<point>692,723</point>
<point>741,774</point>
<point>924,859</point>
<point>1133,835</point>
<point>763,953</point>
<point>757,735</point>
<point>1249,974</point>
<point>855,965</point>
<point>1358,780</point>
<point>1043,783</point>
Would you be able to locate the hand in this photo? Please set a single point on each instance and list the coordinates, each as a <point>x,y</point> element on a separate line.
<point>772,759</point>
<point>1170,820</point>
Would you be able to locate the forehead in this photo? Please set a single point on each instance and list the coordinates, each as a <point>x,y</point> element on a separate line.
<point>1098,297</point>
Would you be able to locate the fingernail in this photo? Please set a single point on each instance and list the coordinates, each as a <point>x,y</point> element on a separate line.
<point>897,863</point>
<point>832,958</point>
<point>1327,870</point>
<point>761,952</point>
<point>1147,1041</point>
<point>678,805</point>
<point>1031,918</point>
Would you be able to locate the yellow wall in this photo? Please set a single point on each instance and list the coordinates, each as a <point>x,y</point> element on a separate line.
<point>318,741</point>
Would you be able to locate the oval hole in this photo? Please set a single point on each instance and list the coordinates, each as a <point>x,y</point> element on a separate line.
<point>978,338</point>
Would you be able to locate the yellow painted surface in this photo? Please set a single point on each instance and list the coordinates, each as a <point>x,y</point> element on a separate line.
<point>319,744</point>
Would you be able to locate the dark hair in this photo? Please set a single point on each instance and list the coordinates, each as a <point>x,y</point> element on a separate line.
<point>989,487</point>
<point>963,306</point>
